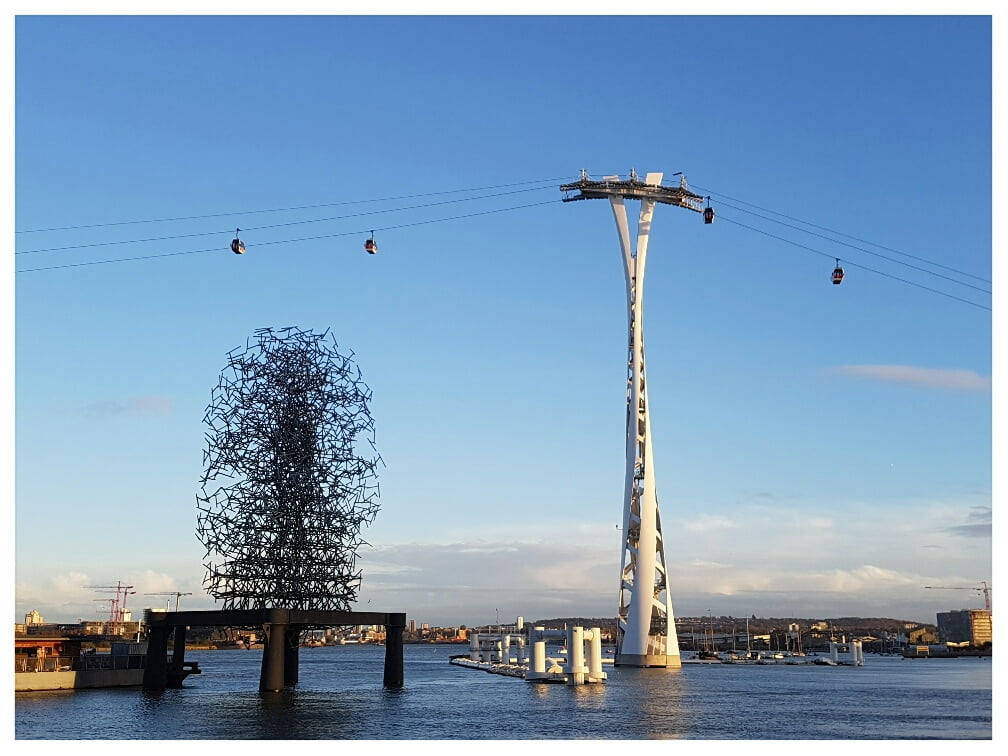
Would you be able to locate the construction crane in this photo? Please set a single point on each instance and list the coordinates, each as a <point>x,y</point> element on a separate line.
<point>982,588</point>
<point>113,603</point>
<point>176,594</point>
<point>122,609</point>
<point>116,612</point>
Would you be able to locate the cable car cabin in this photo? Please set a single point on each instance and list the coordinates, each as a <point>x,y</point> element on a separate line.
<point>837,274</point>
<point>370,247</point>
<point>708,215</point>
<point>238,246</point>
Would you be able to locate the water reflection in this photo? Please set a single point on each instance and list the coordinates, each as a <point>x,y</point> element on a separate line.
<point>340,696</point>
<point>659,700</point>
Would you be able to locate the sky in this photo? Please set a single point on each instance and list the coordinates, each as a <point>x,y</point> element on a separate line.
<point>820,450</point>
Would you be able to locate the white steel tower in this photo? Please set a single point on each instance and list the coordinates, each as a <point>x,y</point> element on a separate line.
<point>646,634</point>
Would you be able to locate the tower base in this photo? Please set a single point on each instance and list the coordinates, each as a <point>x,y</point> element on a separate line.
<point>668,661</point>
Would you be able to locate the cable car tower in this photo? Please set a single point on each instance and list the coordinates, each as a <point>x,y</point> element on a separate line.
<point>646,634</point>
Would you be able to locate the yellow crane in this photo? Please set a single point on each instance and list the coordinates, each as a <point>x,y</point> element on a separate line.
<point>982,588</point>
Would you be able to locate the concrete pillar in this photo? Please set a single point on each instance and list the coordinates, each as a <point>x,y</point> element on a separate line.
<point>271,676</point>
<point>292,636</point>
<point>474,647</point>
<point>178,647</point>
<point>174,672</point>
<point>155,674</point>
<point>595,654</point>
<point>394,627</point>
<point>575,656</point>
<point>538,651</point>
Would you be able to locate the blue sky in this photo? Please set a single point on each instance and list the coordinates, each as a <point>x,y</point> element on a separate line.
<point>820,450</point>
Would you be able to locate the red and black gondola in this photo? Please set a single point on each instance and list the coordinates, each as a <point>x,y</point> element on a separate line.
<point>837,273</point>
<point>237,245</point>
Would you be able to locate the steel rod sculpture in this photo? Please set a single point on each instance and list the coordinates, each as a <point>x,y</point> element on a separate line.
<point>646,634</point>
<point>289,482</point>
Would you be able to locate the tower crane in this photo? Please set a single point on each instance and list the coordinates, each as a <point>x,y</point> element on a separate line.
<point>122,609</point>
<point>116,612</point>
<point>982,588</point>
<point>176,594</point>
<point>113,603</point>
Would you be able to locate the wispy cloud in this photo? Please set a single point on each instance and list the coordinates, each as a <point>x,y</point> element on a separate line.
<point>709,523</point>
<point>978,524</point>
<point>941,378</point>
<point>148,404</point>
<point>472,582</point>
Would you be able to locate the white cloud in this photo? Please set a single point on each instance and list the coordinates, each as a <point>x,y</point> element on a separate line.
<point>708,565</point>
<point>864,579</point>
<point>70,596</point>
<point>147,404</point>
<point>942,378</point>
<point>707,523</point>
<point>772,561</point>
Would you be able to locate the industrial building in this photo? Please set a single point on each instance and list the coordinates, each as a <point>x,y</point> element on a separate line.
<point>971,626</point>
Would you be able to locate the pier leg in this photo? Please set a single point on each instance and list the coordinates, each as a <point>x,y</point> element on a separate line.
<point>174,677</point>
<point>394,650</point>
<point>271,677</point>
<point>291,651</point>
<point>155,667</point>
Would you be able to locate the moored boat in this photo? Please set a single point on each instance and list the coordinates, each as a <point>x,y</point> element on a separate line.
<point>58,663</point>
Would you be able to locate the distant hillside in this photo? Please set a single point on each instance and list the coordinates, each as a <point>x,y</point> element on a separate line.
<point>756,624</point>
<point>558,623</point>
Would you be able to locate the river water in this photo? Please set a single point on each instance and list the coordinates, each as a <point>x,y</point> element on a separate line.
<point>339,696</point>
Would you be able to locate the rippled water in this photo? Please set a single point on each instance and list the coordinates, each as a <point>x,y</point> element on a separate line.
<point>339,696</point>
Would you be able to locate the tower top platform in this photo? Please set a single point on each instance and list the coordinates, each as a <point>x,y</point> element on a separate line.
<point>633,188</point>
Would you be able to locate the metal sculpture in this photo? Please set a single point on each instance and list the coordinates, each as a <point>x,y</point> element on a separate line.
<point>293,481</point>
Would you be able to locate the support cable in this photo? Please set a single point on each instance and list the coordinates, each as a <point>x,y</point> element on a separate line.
<point>840,233</point>
<point>868,251</point>
<point>274,225</point>
<point>287,241</point>
<point>549,181</point>
<point>854,265</point>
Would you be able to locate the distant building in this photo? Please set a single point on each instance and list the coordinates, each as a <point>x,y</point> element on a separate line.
<point>33,618</point>
<point>922,635</point>
<point>971,626</point>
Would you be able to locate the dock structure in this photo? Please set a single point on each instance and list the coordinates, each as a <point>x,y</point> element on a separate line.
<point>849,654</point>
<point>280,651</point>
<point>582,663</point>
